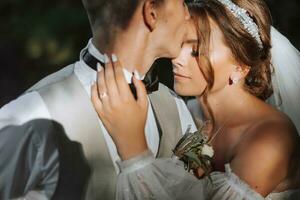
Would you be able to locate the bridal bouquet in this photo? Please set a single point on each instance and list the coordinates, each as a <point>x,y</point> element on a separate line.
<point>193,149</point>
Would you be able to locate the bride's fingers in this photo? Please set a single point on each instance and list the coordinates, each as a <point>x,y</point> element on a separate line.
<point>123,87</point>
<point>199,172</point>
<point>95,99</point>
<point>101,86</point>
<point>110,81</point>
<point>141,92</point>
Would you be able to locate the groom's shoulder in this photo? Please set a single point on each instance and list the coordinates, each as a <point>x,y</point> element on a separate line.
<point>26,107</point>
<point>53,78</point>
<point>182,109</point>
<point>30,105</point>
<point>171,93</point>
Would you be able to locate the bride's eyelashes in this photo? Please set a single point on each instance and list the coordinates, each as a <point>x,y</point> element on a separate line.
<point>195,53</point>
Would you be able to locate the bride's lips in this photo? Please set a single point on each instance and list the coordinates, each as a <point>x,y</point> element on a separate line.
<point>177,75</point>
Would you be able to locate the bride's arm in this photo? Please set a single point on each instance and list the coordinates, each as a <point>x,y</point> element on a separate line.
<point>122,115</point>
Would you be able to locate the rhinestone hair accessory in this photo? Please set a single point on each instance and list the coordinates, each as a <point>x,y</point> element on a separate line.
<point>242,15</point>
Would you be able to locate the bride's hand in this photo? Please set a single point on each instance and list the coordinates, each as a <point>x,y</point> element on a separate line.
<point>122,115</point>
<point>199,173</point>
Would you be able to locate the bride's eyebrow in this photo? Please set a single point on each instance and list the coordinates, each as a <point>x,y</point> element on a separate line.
<point>191,41</point>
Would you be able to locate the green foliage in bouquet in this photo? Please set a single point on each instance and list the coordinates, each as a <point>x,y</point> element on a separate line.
<point>193,149</point>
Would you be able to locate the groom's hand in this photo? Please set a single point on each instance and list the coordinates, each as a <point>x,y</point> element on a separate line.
<point>122,115</point>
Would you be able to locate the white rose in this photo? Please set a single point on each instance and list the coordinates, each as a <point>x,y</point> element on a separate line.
<point>208,151</point>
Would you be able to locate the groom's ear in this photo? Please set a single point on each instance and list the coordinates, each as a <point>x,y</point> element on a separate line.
<point>150,14</point>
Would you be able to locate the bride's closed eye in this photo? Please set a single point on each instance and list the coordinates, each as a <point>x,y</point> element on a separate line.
<point>195,50</point>
<point>195,53</point>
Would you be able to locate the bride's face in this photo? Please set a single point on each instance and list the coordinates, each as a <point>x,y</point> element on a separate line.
<point>188,78</point>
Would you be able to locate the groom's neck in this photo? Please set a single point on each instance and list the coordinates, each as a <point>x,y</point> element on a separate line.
<point>132,48</point>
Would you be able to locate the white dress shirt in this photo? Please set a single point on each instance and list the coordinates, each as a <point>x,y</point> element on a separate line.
<point>31,106</point>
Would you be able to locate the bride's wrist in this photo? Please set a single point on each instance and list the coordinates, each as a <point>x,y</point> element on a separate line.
<point>128,150</point>
<point>136,162</point>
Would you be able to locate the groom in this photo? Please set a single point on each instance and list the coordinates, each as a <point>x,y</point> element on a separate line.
<point>52,143</point>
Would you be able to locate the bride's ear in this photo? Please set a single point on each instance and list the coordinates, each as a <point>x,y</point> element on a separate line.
<point>245,70</point>
<point>240,72</point>
<point>150,14</point>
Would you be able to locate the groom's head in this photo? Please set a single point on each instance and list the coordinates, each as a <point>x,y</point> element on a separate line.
<point>161,21</point>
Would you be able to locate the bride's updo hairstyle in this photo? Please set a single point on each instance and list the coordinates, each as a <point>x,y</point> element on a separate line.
<point>244,47</point>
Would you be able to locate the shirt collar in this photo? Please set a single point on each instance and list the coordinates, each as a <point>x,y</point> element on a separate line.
<point>97,54</point>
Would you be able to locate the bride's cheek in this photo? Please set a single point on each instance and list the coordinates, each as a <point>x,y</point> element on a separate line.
<point>199,80</point>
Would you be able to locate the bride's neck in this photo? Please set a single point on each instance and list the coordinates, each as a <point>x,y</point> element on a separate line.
<point>226,104</point>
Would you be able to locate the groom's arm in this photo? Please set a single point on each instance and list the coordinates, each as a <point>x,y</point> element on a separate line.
<point>28,160</point>
<point>27,156</point>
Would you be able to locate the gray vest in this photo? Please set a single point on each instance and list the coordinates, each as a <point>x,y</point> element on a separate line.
<point>69,105</point>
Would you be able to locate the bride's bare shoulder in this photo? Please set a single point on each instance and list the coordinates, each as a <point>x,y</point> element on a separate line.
<point>264,153</point>
<point>271,125</point>
<point>273,129</point>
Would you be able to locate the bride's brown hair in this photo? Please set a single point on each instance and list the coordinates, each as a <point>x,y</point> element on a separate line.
<point>243,46</point>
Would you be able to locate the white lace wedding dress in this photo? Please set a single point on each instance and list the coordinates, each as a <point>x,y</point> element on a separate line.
<point>145,177</point>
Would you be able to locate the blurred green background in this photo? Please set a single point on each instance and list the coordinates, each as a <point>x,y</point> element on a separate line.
<point>40,37</point>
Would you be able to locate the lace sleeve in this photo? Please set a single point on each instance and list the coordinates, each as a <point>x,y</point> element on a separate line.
<point>228,186</point>
<point>145,177</point>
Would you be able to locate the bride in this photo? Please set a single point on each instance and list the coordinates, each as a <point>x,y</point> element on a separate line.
<point>225,62</point>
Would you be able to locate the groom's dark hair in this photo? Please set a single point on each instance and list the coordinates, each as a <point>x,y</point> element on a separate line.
<point>108,13</point>
<point>109,16</point>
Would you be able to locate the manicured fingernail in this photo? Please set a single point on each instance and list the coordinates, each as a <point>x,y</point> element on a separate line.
<point>99,67</point>
<point>137,75</point>
<point>106,59</point>
<point>114,57</point>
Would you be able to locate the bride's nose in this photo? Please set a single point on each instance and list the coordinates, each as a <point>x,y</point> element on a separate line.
<point>177,63</point>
